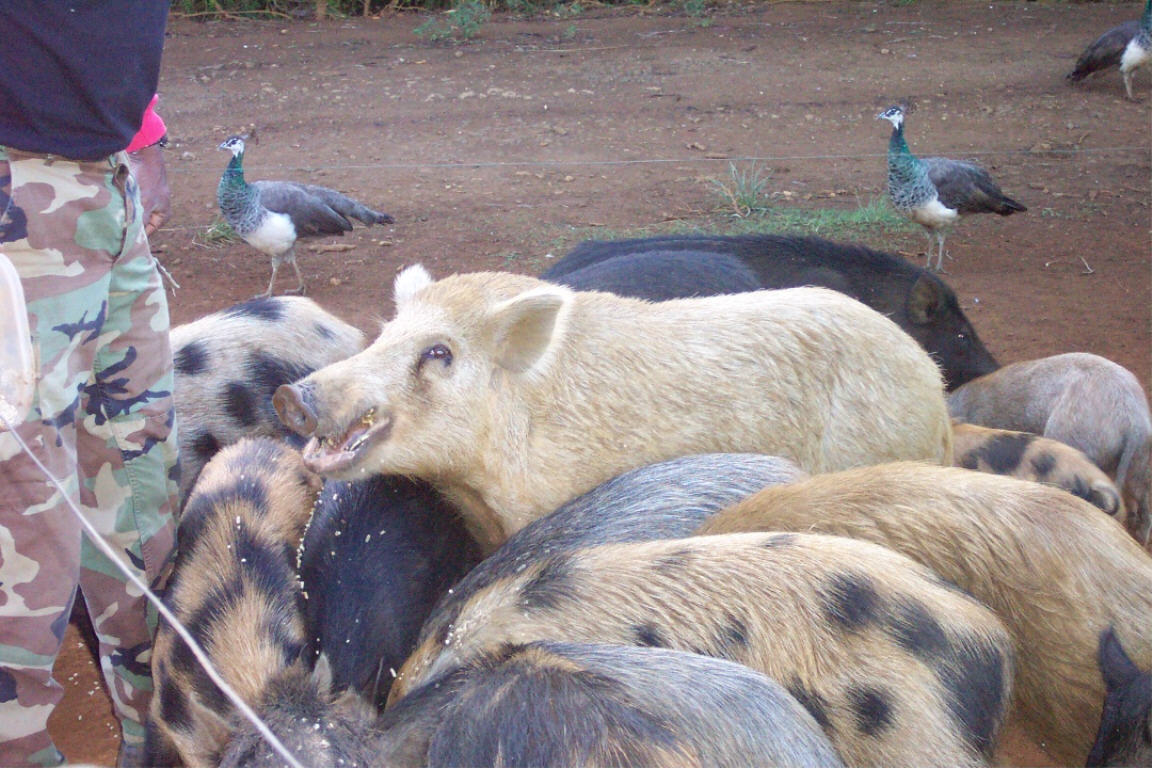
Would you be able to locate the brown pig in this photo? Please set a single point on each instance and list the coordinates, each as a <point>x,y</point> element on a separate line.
<point>513,395</point>
<point>1084,400</point>
<point>1054,569</point>
<point>1041,459</point>
<point>234,587</point>
<point>899,668</point>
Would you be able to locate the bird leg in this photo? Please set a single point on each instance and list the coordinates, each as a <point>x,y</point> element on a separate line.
<point>928,255</point>
<point>267,293</point>
<point>1128,86</point>
<point>940,252</point>
<point>299,289</point>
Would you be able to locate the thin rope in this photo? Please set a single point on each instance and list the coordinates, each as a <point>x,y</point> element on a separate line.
<point>98,540</point>
<point>664,161</point>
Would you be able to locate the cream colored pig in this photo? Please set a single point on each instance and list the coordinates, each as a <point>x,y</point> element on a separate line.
<point>513,395</point>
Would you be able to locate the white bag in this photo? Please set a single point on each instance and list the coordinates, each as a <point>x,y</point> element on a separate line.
<point>17,368</point>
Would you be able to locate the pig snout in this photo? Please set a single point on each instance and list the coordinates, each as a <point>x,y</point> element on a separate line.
<point>293,405</point>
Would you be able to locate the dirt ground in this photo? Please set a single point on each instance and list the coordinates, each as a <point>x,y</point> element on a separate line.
<point>503,152</point>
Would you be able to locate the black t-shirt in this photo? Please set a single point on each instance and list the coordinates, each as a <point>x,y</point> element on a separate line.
<point>77,75</point>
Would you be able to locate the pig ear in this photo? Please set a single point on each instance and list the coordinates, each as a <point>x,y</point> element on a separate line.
<point>1116,667</point>
<point>322,674</point>
<point>524,327</point>
<point>410,282</point>
<point>218,729</point>
<point>924,300</point>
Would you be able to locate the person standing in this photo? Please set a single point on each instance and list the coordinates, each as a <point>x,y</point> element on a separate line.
<point>76,79</point>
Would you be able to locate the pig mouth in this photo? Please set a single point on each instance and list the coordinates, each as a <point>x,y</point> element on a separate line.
<point>334,453</point>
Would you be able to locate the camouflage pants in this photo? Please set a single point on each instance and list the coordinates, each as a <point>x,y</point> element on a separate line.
<point>102,423</point>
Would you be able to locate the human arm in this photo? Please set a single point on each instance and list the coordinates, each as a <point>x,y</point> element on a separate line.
<point>147,162</point>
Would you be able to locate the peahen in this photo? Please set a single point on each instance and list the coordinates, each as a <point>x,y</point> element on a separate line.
<point>1128,46</point>
<point>936,191</point>
<point>271,215</point>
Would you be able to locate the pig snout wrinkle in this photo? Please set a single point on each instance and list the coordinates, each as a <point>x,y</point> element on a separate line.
<point>292,406</point>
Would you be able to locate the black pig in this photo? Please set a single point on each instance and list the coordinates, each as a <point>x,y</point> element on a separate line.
<point>920,302</point>
<point>375,558</point>
<point>664,275</point>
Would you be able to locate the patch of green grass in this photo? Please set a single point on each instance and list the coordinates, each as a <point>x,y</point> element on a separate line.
<point>696,8</point>
<point>218,232</point>
<point>531,8</point>
<point>874,223</point>
<point>875,216</point>
<point>251,8</point>
<point>460,22</point>
<point>567,10</point>
<point>514,261</point>
<point>743,191</point>
<point>744,198</point>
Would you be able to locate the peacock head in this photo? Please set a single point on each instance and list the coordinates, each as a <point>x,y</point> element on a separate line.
<point>894,115</point>
<point>234,144</point>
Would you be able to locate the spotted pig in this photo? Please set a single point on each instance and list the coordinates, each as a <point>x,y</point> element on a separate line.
<point>1055,570</point>
<point>666,500</point>
<point>513,395</point>
<point>897,667</point>
<point>562,704</point>
<point>229,363</point>
<point>1041,459</point>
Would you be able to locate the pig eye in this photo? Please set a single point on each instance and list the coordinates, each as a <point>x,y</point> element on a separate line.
<point>436,352</point>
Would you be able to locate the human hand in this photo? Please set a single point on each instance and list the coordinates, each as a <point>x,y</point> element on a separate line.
<point>151,174</point>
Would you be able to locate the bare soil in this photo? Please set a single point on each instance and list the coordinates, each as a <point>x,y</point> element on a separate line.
<point>504,151</point>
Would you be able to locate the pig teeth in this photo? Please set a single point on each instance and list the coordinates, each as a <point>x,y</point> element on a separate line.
<point>367,420</point>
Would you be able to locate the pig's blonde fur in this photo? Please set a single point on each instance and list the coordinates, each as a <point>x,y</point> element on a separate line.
<point>1054,569</point>
<point>551,392</point>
